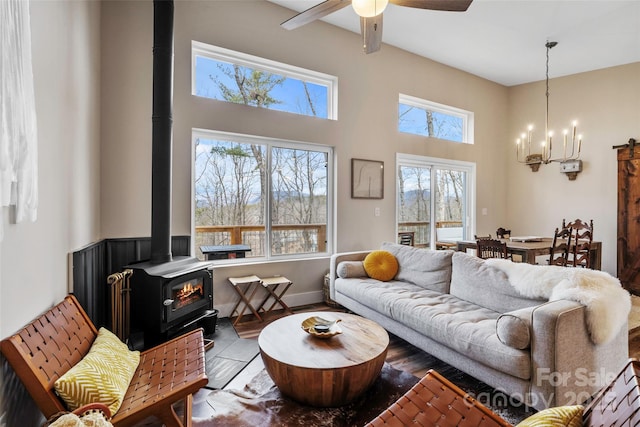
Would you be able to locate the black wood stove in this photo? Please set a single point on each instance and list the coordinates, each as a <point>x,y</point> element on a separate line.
<point>168,294</point>
<point>169,298</point>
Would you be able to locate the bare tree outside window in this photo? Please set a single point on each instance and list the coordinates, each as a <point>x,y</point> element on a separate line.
<point>422,188</point>
<point>414,197</point>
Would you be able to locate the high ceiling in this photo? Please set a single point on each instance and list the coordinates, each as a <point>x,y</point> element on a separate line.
<point>504,40</point>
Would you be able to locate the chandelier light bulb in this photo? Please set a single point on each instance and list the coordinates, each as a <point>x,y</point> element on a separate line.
<point>369,8</point>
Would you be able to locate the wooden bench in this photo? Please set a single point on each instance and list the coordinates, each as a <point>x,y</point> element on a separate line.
<point>49,346</point>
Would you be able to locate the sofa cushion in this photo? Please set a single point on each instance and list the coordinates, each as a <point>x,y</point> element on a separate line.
<point>514,328</point>
<point>347,269</point>
<point>451,321</point>
<point>377,295</point>
<point>381,265</point>
<point>426,268</point>
<point>475,281</point>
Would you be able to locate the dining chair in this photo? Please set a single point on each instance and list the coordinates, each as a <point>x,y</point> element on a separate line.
<point>491,248</point>
<point>503,233</point>
<point>406,238</point>
<point>559,251</point>
<point>582,236</point>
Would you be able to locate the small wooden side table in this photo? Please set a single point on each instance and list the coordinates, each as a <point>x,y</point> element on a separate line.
<point>246,288</point>
<point>276,287</point>
<point>323,372</point>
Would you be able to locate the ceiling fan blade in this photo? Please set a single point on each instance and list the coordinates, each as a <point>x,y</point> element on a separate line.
<point>444,5</point>
<point>316,12</point>
<point>371,33</point>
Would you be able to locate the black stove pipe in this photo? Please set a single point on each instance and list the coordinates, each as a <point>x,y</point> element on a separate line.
<point>162,131</point>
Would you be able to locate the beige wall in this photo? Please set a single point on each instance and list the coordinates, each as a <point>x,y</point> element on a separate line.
<point>368,94</point>
<point>607,105</point>
<point>33,256</point>
<point>66,67</point>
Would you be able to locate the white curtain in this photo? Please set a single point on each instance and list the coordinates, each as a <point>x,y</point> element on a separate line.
<point>18,127</point>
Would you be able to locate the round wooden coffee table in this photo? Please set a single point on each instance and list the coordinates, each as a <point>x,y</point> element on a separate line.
<point>323,372</point>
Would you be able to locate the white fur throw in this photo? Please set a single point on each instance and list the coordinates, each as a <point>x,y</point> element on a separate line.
<point>606,302</point>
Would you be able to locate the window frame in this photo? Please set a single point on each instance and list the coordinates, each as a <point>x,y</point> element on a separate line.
<point>435,164</point>
<point>269,143</point>
<point>218,53</point>
<point>423,104</point>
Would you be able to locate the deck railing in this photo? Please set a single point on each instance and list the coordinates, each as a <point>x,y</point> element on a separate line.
<point>293,238</point>
<point>287,238</point>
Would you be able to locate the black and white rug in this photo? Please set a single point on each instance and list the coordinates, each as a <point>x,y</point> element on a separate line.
<point>260,403</point>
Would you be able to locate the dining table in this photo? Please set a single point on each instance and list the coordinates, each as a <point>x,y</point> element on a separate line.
<point>531,248</point>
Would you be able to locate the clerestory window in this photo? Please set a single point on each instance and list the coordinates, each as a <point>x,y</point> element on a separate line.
<point>427,118</point>
<point>240,78</point>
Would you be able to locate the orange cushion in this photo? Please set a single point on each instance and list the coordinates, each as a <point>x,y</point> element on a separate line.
<point>381,265</point>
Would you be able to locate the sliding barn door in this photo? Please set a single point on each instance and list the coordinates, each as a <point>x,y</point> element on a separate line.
<point>629,218</point>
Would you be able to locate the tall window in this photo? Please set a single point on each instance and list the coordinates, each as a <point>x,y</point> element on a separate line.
<point>271,195</point>
<point>236,77</point>
<point>422,117</point>
<point>435,199</point>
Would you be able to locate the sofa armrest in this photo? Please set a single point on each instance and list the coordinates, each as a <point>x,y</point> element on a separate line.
<point>337,259</point>
<point>567,367</point>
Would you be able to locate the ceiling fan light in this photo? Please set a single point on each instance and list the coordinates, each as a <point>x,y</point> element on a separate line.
<point>369,8</point>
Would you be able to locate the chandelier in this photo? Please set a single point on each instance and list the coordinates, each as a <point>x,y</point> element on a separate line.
<point>571,141</point>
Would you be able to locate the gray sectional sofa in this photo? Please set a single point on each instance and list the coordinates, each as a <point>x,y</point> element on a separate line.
<point>458,308</point>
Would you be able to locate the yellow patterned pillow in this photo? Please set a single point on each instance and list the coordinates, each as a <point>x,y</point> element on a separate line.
<point>381,265</point>
<point>561,416</point>
<point>103,375</point>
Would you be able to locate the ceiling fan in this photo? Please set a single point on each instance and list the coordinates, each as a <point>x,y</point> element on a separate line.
<point>370,12</point>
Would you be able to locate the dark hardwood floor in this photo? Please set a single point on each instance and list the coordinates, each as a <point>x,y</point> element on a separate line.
<point>400,355</point>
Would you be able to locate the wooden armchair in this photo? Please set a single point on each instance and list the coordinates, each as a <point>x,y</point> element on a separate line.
<point>559,251</point>
<point>582,236</point>
<point>490,248</point>
<point>436,401</point>
<point>49,346</point>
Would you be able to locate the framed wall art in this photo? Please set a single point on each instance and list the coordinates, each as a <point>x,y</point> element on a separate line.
<point>367,179</point>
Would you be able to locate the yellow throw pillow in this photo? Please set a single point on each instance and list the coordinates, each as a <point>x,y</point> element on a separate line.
<point>102,376</point>
<point>561,416</point>
<point>381,265</point>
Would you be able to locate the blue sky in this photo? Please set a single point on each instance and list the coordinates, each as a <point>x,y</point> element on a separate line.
<point>413,120</point>
<point>290,92</point>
